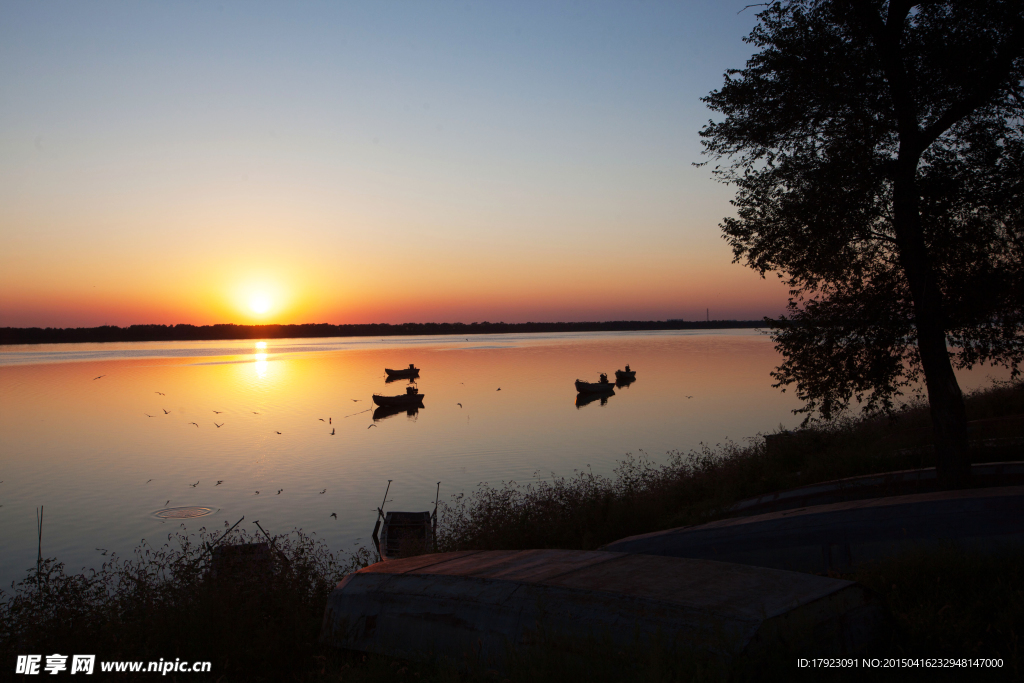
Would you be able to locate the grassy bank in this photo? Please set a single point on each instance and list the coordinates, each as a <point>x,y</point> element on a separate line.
<point>260,621</point>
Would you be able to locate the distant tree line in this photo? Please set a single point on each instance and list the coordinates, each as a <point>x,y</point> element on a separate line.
<point>138,333</point>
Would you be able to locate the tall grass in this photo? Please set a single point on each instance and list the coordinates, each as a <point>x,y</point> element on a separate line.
<point>254,622</point>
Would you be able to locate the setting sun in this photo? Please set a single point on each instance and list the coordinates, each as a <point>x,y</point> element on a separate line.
<point>259,304</point>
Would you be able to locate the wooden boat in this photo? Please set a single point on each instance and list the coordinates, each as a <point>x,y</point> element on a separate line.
<point>591,387</point>
<point>409,398</point>
<point>404,534</point>
<point>625,375</point>
<point>410,371</point>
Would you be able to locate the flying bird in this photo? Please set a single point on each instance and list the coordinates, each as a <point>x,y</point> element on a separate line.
<point>148,415</point>
<point>257,493</point>
<point>459,404</point>
<point>218,425</point>
<point>194,485</point>
<point>328,420</point>
<point>279,491</point>
<point>195,423</point>
<point>255,413</point>
<point>147,482</point>
<point>96,378</point>
<point>334,514</point>
<point>371,426</point>
<point>218,411</point>
<point>219,482</point>
<point>166,412</point>
<point>167,503</point>
<point>323,420</point>
<point>499,388</point>
<point>323,492</point>
<point>356,400</point>
<point>103,550</point>
<point>332,432</point>
<point>277,432</point>
<point>689,397</point>
<point>160,392</point>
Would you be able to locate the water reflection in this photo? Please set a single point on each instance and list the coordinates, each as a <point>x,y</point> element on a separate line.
<point>624,382</point>
<point>588,398</point>
<point>384,412</point>
<point>391,379</point>
<point>260,356</point>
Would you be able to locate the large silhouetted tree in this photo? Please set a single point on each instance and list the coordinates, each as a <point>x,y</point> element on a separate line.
<point>877,149</point>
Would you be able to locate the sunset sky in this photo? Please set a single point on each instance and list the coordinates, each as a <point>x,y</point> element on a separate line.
<point>246,162</point>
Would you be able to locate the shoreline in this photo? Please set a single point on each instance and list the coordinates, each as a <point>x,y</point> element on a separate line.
<point>10,336</point>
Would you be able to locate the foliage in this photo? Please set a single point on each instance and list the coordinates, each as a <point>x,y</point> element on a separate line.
<point>255,623</point>
<point>837,117</point>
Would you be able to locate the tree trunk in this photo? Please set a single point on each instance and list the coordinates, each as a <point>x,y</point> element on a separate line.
<point>949,417</point>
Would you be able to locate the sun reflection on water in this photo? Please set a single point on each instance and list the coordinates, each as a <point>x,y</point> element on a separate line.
<point>260,357</point>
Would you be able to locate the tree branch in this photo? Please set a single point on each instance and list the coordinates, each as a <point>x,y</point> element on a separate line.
<point>983,89</point>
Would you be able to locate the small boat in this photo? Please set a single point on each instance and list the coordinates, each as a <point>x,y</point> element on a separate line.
<point>410,371</point>
<point>404,534</point>
<point>625,375</point>
<point>411,397</point>
<point>602,385</point>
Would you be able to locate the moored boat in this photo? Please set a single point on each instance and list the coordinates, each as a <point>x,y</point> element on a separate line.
<point>410,371</point>
<point>409,398</point>
<point>602,385</point>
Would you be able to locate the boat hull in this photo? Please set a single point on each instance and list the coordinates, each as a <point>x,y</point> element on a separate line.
<point>401,401</point>
<point>594,387</point>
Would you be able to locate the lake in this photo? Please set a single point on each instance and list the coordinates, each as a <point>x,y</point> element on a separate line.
<point>114,439</point>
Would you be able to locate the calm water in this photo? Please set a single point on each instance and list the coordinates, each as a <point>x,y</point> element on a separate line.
<point>106,455</point>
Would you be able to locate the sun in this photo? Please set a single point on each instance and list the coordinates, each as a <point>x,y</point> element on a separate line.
<point>259,304</point>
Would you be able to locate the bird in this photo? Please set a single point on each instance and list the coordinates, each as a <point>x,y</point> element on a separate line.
<point>167,503</point>
<point>96,378</point>
<point>160,392</point>
<point>356,400</point>
<point>257,493</point>
<point>459,404</point>
<point>323,492</point>
<point>194,485</point>
<point>166,412</point>
<point>689,397</point>
<point>332,432</point>
<point>371,426</point>
<point>147,482</point>
<point>103,550</point>
<point>148,415</point>
<point>218,411</point>
<point>334,514</point>
<point>328,420</point>
<point>195,423</point>
<point>255,413</point>
<point>218,425</point>
<point>219,482</point>
<point>499,388</point>
<point>279,491</point>
<point>277,432</point>
<point>323,420</point>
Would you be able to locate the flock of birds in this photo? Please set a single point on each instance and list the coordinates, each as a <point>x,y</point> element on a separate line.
<point>329,421</point>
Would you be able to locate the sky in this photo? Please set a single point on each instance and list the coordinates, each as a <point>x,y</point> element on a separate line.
<point>343,162</point>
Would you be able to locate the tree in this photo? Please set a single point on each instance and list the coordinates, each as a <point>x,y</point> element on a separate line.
<point>877,149</point>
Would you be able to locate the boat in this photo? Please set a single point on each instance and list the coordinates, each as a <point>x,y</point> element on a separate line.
<point>410,371</point>
<point>411,397</point>
<point>602,385</point>
<point>404,534</point>
<point>625,375</point>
